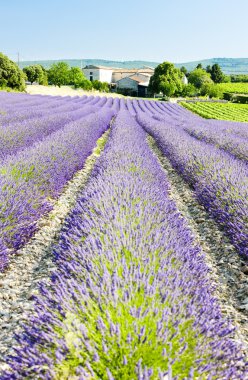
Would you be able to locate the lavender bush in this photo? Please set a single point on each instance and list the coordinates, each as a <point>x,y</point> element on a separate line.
<point>35,175</point>
<point>222,138</point>
<point>130,298</point>
<point>23,134</point>
<point>219,180</point>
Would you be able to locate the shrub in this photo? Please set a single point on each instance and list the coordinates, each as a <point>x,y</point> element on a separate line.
<point>241,99</point>
<point>85,84</point>
<point>189,90</point>
<point>212,91</point>
<point>100,86</point>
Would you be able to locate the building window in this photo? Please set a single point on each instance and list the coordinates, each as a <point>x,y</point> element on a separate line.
<point>91,76</point>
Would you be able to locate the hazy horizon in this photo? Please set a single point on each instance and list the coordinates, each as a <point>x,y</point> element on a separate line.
<point>125,60</point>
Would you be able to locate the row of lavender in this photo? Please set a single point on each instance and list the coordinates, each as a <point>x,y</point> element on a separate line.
<point>130,298</point>
<point>43,142</point>
<point>218,173</point>
<point>25,120</point>
<point>229,136</point>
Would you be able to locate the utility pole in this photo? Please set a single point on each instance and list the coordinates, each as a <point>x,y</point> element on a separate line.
<point>18,59</point>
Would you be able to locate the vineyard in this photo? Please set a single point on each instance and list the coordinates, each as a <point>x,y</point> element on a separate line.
<point>221,111</point>
<point>237,88</point>
<point>123,246</point>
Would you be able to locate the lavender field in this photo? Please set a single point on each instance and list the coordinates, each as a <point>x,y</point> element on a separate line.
<point>123,241</point>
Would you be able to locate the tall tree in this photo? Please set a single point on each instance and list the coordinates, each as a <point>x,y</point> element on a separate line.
<point>199,66</point>
<point>184,70</point>
<point>10,74</point>
<point>166,79</point>
<point>58,74</point>
<point>208,69</point>
<point>31,73</point>
<point>44,77</point>
<point>36,73</point>
<point>76,76</point>
<point>216,74</point>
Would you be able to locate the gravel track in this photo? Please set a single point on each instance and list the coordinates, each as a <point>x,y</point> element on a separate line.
<point>228,271</point>
<point>34,262</point>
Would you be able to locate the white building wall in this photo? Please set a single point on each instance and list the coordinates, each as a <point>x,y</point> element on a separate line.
<point>105,75</point>
<point>185,80</point>
<point>98,74</point>
<point>111,75</point>
<point>95,73</point>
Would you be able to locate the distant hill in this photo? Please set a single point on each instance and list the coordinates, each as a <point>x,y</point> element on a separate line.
<point>100,62</point>
<point>228,65</point>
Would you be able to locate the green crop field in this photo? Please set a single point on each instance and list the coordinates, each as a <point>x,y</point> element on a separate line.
<point>221,111</point>
<point>237,88</point>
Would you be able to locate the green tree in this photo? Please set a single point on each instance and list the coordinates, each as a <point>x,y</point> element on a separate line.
<point>208,69</point>
<point>58,74</point>
<point>36,73</point>
<point>166,79</point>
<point>184,70</point>
<point>216,74</point>
<point>199,66</point>
<point>44,77</point>
<point>31,74</point>
<point>199,77</point>
<point>76,76</point>
<point>10,74</point>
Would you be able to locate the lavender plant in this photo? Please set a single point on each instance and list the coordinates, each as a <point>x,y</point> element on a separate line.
<point>31,178</point>
<point>131,297</point>
<point>219,180</point>
<point>25,133</point>
<point>222,139</point>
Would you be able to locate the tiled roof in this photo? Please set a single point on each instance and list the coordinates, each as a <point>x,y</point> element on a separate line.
<point>136,78</point>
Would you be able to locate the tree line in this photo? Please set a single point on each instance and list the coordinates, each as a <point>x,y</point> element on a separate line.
<point>59,74</point>
<point>168,80</point>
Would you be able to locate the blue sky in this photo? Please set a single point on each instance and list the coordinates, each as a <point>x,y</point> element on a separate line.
<point>158,30</point>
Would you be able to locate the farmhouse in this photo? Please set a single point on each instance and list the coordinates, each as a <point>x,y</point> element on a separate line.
<point>129,81</point>
<point>136,83</point>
